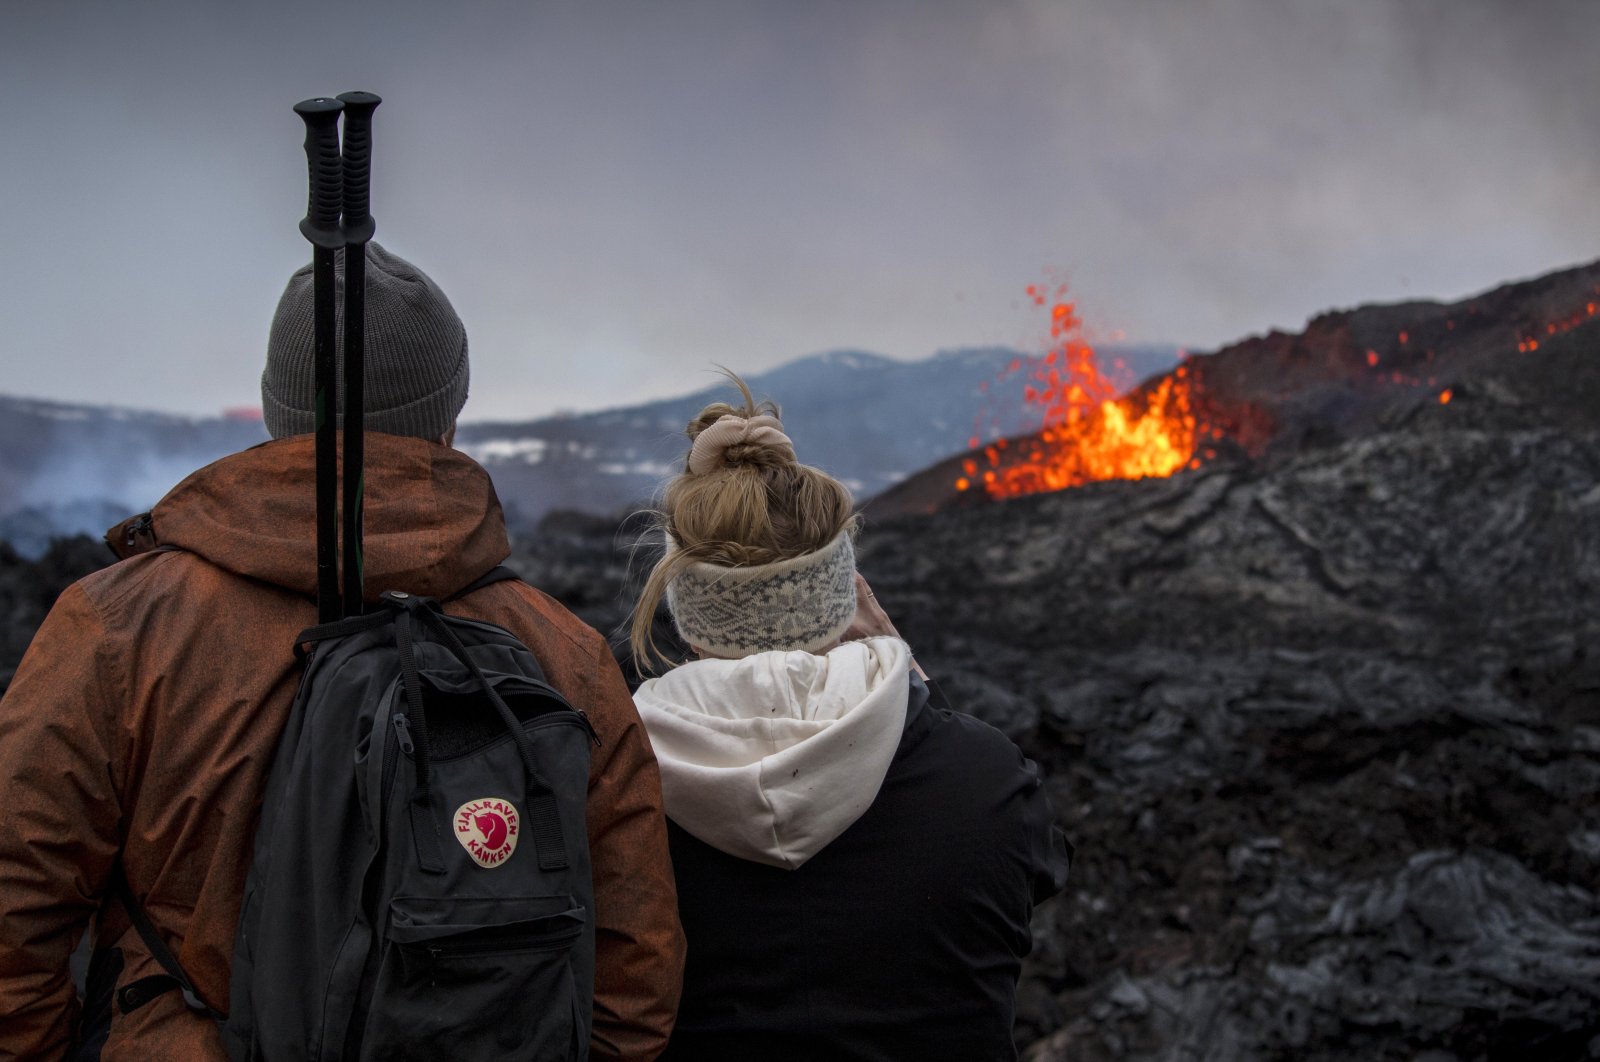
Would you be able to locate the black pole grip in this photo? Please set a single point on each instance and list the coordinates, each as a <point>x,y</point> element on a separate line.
<point>358,108</point>
<point>321,223</point>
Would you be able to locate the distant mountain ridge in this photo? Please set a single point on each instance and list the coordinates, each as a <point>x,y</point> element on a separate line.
<point>866,418</point>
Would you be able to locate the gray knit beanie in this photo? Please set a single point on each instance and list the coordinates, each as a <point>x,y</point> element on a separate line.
<point>416,361</point>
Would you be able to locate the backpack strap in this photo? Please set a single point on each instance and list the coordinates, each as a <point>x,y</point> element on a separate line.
<point>498,574</point>
<point>133,996</point>
<point>355,624</point>
<point>542,809</point>
<point>337,629</point>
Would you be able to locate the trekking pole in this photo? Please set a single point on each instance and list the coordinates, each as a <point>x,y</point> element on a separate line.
<point>321,227</point>
<point>358,228</point>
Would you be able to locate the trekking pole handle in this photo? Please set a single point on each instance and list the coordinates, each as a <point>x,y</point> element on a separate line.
<point>321,223</point>
<point>358,108</point>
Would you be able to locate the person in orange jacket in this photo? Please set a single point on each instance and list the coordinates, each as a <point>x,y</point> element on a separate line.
<point>139,728</point>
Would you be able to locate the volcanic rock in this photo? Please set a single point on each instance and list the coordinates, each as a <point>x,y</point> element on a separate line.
<point>1324,727</point>
<point>1323,722</point>
<point>1326,734</point>
<point>30,586</point>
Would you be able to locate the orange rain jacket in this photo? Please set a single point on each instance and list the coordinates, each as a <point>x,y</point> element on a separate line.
<point>144,717</point>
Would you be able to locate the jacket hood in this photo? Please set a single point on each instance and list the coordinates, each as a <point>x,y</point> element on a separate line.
<point>432,522</point>
<point>771,757</point>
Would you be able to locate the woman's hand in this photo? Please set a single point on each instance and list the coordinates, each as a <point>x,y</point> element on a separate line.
<point>871,621</point>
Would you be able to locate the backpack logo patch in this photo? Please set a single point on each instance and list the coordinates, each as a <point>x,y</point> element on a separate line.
<point>487,829</point>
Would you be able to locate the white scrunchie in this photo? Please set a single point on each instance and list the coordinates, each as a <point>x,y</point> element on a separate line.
<point>710,448</point>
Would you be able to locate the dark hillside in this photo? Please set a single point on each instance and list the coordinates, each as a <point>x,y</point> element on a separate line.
<point>1351,373</point>
<point>1324,723</point>
<point>29,588</point>
<point>1326,732</point>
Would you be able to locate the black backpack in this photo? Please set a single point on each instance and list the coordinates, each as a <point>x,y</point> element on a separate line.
<point>420,885</point>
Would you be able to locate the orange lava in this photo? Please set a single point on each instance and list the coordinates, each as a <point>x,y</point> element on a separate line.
<point>1529,344</point>
<point>1087,432</point>
<point>1090,430</point>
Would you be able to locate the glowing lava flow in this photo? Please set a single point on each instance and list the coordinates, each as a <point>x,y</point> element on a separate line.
<point>1087,432</point>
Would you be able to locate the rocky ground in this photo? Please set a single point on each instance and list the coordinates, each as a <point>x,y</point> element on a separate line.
<point>1326,734</point>
<point>1325,728</point>
<point>29,587</point>
<point>1325,724</point>
<point>1327,737</point>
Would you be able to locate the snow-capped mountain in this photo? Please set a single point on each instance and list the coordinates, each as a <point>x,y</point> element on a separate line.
<point>867,419</point>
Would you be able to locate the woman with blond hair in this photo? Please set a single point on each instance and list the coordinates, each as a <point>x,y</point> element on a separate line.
<point>857,865</point>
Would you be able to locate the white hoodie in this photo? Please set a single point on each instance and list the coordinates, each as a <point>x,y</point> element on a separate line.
<point>772,756</point>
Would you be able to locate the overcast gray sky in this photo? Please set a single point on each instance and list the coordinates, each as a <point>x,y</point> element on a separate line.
<point>617,195</point>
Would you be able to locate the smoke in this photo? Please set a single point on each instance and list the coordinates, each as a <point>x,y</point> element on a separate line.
<point>68,470</point>
<point>80,491</point>
<point>656,187</point>
<point>131,481</point>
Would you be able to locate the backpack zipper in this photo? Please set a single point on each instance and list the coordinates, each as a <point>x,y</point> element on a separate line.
<point>402,726</point>
<point>547,940</point>
<point>141,525</point>
<point>391,753</point>
<point>571,717</point>
<point>594,735</point>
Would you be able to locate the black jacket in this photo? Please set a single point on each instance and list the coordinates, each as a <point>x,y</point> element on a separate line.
<point>903,939</point>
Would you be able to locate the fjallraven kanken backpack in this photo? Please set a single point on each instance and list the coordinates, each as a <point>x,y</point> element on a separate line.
<point>420,886</point>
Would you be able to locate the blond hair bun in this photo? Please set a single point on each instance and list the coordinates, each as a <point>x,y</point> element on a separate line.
<point>732,440</point>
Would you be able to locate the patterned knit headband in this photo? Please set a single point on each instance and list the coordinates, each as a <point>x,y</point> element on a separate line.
<point>803,603</point>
